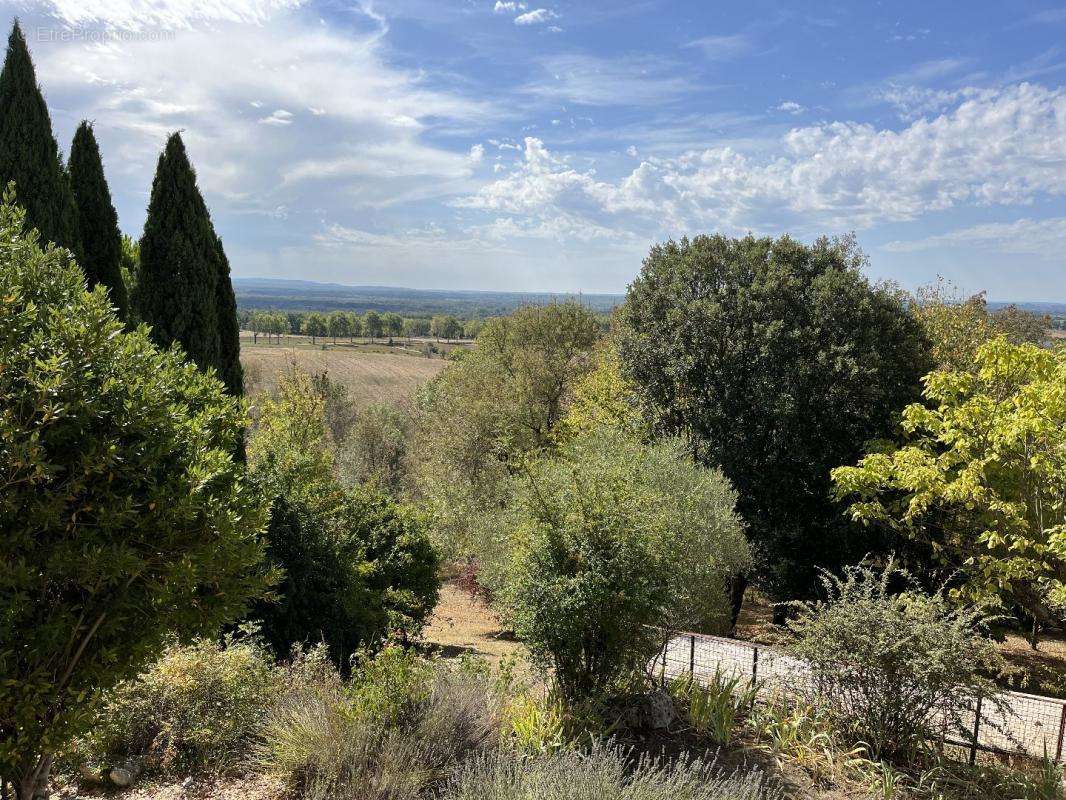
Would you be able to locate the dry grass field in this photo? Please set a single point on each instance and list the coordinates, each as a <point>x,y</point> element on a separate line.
<point>372,373</point>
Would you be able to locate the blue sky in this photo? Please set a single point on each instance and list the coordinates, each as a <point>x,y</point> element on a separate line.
<point>545,145</point>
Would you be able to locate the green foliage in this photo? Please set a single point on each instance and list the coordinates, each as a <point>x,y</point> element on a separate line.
<point>315,325</point>
<point>445,326</point>
<point>981,478</point>
<point>331,741</point>
<point>492,406</point>
<point>123,517</point>
<point>101,242</point>
<point>777,361</point>
<point>604,772</point>
<point>604,398</point>
<point>29,155</point>
<point>896,669</point>
<point>196,708</point>
<point>357,565</point>
<point>613,537</point>
<point>184,291</point>
<point>957,326</point>
<point>714,705</point>
<point>337,325</point>
<point>375,448</point>
<point>372,325</point>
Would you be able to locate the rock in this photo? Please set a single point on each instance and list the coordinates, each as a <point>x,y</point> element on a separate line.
<point>88,774</point>
<point>120,776</point>
<point>653,711</point>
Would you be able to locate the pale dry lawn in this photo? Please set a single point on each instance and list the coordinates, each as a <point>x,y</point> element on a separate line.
<point>371,376</point>
<point>464,624</point>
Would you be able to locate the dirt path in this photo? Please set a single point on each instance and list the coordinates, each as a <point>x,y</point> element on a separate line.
<point>462,624</point>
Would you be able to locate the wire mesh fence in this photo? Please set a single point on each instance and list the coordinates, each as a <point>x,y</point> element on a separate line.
<point>1019,724</point>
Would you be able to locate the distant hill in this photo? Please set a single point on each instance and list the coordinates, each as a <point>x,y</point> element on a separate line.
<point>1051,309</point>
<point>295,295</point>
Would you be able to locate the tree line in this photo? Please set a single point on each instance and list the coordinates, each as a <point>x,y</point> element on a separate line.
<point>348,324</point>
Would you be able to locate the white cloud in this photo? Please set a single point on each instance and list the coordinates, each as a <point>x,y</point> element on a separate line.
<point>535,17</point>
<point>588,80</point>
<point>507,7</point>
<point>791,107</point>
<point>632,151</point>
<point>723,48</point>
<point>1034,237</point>
<point>477,154</point>
<point>278,117</point>
<point>137,15</point>
<point>1004,147</point>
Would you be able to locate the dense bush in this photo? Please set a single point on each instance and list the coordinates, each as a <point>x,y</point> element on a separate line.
<point>396,732</point>
<point>356,564</point>
<point>124,517</point>
<point>614,537</point>
<point>600,773</point>
<point>196,708</point>
<point>895,668</point>
<point>375,448</point>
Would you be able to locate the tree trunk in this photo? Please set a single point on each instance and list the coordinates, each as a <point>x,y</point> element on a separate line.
<point>1034,634</point>
<point>34,780</point>
<point>736,601</point>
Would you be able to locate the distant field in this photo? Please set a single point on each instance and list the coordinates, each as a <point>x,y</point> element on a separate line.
<point>371,373</point>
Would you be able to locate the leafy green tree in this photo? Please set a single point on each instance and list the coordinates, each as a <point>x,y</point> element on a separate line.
<point>445,326</point>
<point>372,325</point>
<point>315,325</point>
<point>417,326</point>
<point>130,267</point>
<point>355,325</point>
<point>957,326</point>
<point>29,154</point>
<point>356,564</point>
<point>472,327</point>
<point>981,476</point>
<point>777,361</point>
<point>101,242</point>
<point>184,290</point>
<point>615,541</point>
<point>124,518</point>
<point>337,324</point>
<point>392,323</point>
<point>493,405</point>
<point>375,449</point>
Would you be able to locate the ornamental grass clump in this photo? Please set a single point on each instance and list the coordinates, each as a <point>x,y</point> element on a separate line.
<point>897,669</point>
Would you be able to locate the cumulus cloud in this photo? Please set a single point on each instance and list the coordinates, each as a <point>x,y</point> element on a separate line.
<point>537,16</point>
<point>1004,147</point>
<point>791,107</point>
<point>507,7</point>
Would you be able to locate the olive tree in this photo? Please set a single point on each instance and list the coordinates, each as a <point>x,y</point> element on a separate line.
<point>615,543</point>
<point>124,517</point>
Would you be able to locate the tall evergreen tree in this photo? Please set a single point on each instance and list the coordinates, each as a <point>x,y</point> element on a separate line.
<point>184,291</point>
<point>29,155</point>
<point>97,221</point>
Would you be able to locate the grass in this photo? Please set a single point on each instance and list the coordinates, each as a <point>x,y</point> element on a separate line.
<point>372,373</point>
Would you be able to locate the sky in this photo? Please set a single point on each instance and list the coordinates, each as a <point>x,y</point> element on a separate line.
<point>546,145</point>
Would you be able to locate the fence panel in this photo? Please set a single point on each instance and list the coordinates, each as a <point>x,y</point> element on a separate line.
<point>1028,724</point>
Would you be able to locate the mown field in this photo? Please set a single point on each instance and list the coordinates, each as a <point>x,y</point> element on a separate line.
<point>372,372</point>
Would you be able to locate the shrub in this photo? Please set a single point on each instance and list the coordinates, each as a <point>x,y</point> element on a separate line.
<point>357,565</point>
<point>197,707</point>
<point>604,772</point>
<point>394,734</point>
<point>124,516</point>
<point>375,447</point>
<point>612,538</point>
<point>892,666</point>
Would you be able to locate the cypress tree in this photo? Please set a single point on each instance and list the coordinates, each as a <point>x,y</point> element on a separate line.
<point>97,221</point>
<point>184,291</point>
<point>29,155</point>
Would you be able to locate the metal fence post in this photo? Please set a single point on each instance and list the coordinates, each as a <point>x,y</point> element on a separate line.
<point>1062,733</point>
<point>662,679</point>
<point>976,729</point>
<point>692,657</point>
<point>754,665</point>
